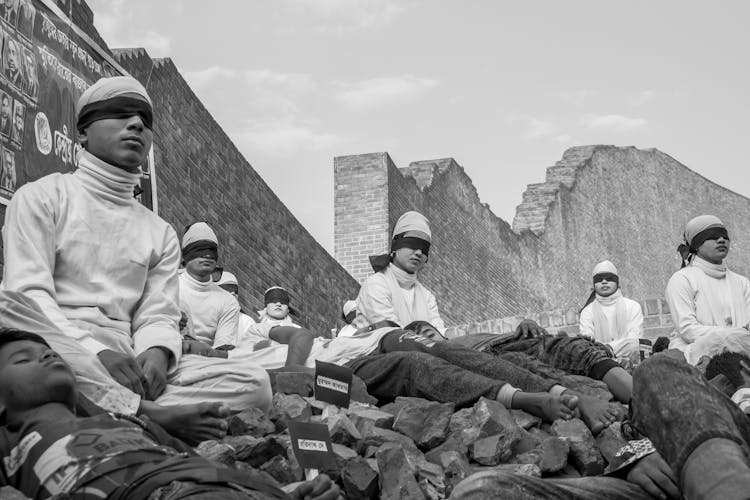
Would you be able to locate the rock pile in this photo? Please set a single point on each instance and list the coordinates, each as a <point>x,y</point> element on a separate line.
<point>413,448</point>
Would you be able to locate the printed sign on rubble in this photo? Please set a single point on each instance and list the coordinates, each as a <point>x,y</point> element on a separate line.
<point>333,383</point>
<point>311,444</point>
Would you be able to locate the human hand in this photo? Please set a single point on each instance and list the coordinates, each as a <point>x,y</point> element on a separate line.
<point>528,328</point>
<point>124,369</point>
<point>195,347</point>
<point>655,477</point>
<point>320,488</point>
<point>154,363</point>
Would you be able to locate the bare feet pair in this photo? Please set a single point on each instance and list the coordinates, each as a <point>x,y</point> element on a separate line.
<point>192,423</point>
<point>546,406</point>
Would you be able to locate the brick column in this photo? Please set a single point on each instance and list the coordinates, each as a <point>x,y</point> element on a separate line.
<point>361,210</point>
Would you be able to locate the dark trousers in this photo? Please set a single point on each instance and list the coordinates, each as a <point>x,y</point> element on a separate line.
<point>410,365</point>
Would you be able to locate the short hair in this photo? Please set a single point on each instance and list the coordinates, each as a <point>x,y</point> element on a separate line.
<point>727,364</point>
<point>8,335</point>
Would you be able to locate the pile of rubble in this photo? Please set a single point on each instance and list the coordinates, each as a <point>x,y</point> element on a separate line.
<point>413,448</point>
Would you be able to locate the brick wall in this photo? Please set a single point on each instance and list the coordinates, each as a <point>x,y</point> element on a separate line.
<point>657,321</point>
<point>599,202</point>
<point>201,175</point>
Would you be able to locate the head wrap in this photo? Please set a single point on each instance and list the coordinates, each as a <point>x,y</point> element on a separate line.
<point>349,311</point>
<point>604,270</point>
<point>199,240</point>
<point>276,294</point>
<point>411,231</point>
<point>115,97</point>
<point>228,278</point>
<point>699,230</point>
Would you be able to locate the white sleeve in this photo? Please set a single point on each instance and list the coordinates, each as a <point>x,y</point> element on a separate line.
<point>157,315</point>
<point>682,306</point>
<point>227,329</point>
<point>432,307</point>
<point>635,320</point>
<point>586,322</point>
<point>29,237</point>
<point>374,301</point>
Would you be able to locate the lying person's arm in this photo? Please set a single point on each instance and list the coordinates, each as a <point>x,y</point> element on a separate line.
<point>299,340</point>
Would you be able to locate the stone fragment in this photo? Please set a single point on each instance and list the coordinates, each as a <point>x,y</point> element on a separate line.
<point>255,451</point>
<point>462,427</point>
<point>525,420</point>
<point>456,468</point>
<point>493,418</point>
<point>10,493</point>
<point>377,417</point>
<point>491,450</point>
<point>450,445</point>
<point>525,469</point>
<point>251,422</point>
<point>588,386</point>
<point>343,453</point>
<point>551,455</point>
<point>217,452</point>
<point>431,480</point>
<point>396,476</point>
<point>343,430</point>
<point>279,468</point>
<point>321,407</point>
<point>584,455</point>
<point>360,480</point>
<point>291,407</point>
<point>610,441</point>
<point>300,383</point>
<point>359,392</point>
<point>425,422</point>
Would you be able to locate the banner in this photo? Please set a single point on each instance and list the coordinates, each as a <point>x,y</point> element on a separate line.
<point>46,63</point>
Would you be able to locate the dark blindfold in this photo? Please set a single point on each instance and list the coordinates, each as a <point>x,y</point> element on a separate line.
<point>349,317</point>
<point>411,242</point>
<point>711,233</point>
<point>116,107</point>
<point>202,248</point>
<point>276,295</point>
<point>606,276</point>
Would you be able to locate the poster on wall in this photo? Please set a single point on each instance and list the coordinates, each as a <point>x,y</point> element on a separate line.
<point>46,63</point>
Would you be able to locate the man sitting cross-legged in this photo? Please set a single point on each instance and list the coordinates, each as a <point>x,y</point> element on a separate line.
<point>48,451</point>
<point>103,269</point>
<point>394,293</point>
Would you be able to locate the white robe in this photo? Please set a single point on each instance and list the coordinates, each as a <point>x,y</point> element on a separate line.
<point>623,340</point>
<point>103,269</point>
<point>709,313</point>
<point>386,296</point>
<point>214,311</point>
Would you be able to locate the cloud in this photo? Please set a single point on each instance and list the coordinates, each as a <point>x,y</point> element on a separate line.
<point>642,98</point>
<point>298,82</point>
<point>203,77</point>
<point>114,21</point>
<point>563,139</point>
<point>377,92</point>
<point>285,138</point>
<point>618,123</point>
<point>536,127</point>
<point>573,96</point>
<point>342,16</point>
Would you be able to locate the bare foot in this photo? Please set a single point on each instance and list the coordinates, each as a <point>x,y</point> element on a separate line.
<point>597,413</point>
<point>545,405</point>
<point>192,423</point>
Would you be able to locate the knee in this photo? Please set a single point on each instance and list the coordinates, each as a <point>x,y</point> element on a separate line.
<point>658,367</point>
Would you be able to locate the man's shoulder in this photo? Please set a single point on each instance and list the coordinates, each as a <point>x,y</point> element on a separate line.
<point>44,187</point>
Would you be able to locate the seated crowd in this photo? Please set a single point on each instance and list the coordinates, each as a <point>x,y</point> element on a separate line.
<point>110,326</point>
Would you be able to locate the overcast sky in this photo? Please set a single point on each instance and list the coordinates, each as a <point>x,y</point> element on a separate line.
<point>504,87</point>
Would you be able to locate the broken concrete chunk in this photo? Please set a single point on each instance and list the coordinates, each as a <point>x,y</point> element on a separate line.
<point>250,422</point>
<point>217,452</point>
<point>396,480</point>
<point>583,453</point>
<point>360,480</point>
